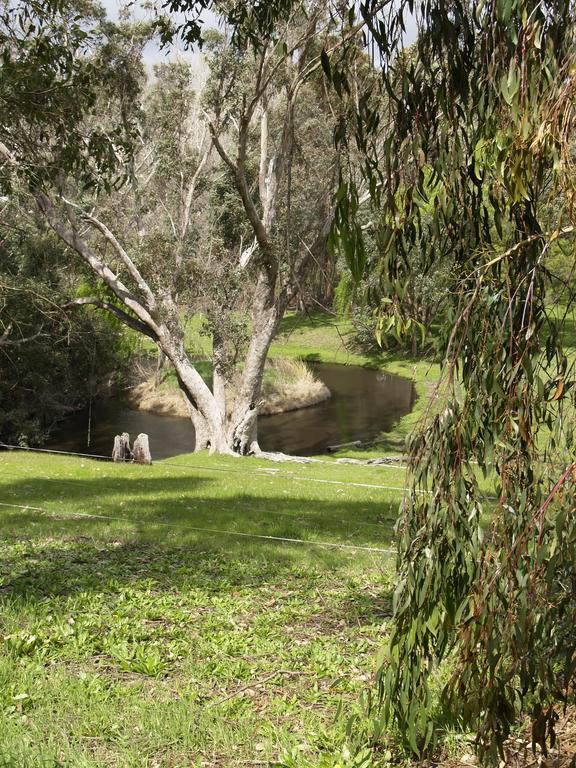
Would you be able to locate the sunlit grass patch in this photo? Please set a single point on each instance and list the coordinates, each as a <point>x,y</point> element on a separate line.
<point>135,639</point>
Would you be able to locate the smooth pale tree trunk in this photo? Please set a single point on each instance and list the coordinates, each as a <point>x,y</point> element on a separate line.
<point>266,315</point>
<point>225,419</point>
<point>207,418</point>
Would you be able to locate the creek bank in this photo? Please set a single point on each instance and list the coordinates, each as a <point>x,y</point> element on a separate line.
<point>364,403</point>
<point>289,385</point>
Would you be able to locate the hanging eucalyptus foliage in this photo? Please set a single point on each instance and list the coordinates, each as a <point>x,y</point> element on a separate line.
<point>474,124</point>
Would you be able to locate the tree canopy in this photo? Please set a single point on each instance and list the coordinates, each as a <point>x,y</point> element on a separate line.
<point>475,126</point>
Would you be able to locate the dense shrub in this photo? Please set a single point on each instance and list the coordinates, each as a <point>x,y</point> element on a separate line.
<point>52,360</point>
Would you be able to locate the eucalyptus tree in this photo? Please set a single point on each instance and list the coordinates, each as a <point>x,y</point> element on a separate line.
<point>270,124</point>
<point>55,72</point>
<point>478,129</point>
<point>261,110</point>
<point>191,226</point>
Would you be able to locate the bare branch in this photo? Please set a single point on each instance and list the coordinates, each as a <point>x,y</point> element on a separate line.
<point>120,252</point>
<point>168,214</point>
<point>192,188</point>
<point>6,341</point>
<point>127,319</point>
<point>263,148</point>
<point>219,147</point>
<point>72,239</point>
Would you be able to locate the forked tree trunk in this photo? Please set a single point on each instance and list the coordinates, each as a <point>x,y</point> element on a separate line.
<point>266,315</point>
<point>220,426</point>
<point>207,418</point>
<point>225,419</point>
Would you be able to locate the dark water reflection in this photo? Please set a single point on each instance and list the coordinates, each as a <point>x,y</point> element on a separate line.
<point>363,403</point>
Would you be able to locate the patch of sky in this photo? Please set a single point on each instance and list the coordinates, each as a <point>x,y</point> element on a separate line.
<point>155,54</point>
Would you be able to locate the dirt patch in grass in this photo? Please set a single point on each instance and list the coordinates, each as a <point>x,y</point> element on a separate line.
<point>518,750</point>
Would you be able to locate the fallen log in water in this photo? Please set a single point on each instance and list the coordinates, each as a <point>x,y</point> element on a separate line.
<point>353,444</point>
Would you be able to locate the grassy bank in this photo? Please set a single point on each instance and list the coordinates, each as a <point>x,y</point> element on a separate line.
<point>323,338</point>
<point>163,632</point>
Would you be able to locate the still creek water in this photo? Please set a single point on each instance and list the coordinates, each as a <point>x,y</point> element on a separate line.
<point>363,403</point>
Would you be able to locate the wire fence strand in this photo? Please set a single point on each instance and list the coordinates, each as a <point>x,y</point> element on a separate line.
<point>270,471</point>
<point>198,529</point>
<point>256,472</point>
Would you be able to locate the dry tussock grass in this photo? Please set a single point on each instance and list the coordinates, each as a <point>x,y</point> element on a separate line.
<point>288,386</point>
<point>162,400</point>
<point>291,385</point>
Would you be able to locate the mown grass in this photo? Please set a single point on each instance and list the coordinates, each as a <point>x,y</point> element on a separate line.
<point>144,623</point>
<point>154,636</point>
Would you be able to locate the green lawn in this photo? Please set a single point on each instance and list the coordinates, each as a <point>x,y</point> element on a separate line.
<point>155,617</point>
<point>159,638</point>
<point>152,617</point>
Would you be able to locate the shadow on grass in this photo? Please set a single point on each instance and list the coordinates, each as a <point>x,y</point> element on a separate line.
<point>191,499</point>
<point>74,566</point>
<point>303,321</point>
<point>568,330</point>
<point>173,533</point>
